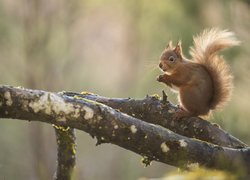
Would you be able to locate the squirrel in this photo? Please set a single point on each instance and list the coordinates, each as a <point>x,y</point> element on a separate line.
<point>204,83</point>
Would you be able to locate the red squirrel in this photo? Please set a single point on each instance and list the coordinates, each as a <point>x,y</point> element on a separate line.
<point>205,82</point>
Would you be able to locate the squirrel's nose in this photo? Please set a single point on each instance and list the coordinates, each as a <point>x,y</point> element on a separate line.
<point>160,65</point>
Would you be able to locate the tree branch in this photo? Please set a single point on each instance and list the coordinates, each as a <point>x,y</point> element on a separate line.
<point>153,110</point>
<point>66,150</point>
<point>111,126</point>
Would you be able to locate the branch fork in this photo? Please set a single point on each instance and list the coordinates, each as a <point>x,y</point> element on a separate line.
<point>145,127</point>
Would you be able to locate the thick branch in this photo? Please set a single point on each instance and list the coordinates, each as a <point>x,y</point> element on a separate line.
<point>153,110</point>
<point>111,126</point>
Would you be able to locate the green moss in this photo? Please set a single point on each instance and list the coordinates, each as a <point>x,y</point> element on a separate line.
<point>65,139</point>
<point>200,140</point>
<point>146,161</point>
<point>86,93</point>
<point>73,148</point>
<point>62,128</point>
<point>87,100</point>
<point>156,96</point>
<point>201,173</point>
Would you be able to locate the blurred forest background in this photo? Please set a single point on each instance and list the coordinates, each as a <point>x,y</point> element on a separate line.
<point>110,48</point>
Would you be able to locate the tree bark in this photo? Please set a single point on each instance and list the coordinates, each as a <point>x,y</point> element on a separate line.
<point>66,152</point>
<point>154,110</point>
<point>108,125</point>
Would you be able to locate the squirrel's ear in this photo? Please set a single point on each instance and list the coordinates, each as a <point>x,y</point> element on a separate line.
<point>170,45</point>
<point>178,49</point>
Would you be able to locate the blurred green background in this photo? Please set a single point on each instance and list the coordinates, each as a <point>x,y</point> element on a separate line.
<point>110,48</point>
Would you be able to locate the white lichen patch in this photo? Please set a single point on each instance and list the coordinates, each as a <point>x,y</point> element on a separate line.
<point>133,129</point>
<point>183,143</point>
<point>164,147</point>
<point>77,113</point>
<point>146,137</point>
<point>116,126</point>
<point>89,113</point>
<point>50,102</point>
<point>112,111</point>
<point>102,138</point>
<point>7,96</point>
<point>193,165</point>
<point>38,105</point>
<point>169,132</point>
<point>25,105</point>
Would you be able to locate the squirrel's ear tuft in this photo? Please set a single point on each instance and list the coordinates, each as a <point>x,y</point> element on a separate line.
<point>170,45</point>
<point>178,49</point>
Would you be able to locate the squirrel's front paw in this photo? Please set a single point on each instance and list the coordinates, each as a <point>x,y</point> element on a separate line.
<point>160,78</point>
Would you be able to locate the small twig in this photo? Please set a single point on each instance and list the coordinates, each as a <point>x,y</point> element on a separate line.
<point>164,97</point>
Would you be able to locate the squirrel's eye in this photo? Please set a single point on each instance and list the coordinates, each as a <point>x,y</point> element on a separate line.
<point>171,58</point>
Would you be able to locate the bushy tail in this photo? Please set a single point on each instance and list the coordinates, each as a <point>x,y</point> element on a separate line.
<point>206,47</point>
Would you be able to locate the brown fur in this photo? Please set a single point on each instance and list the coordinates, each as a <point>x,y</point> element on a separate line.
<point>204,83</point>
